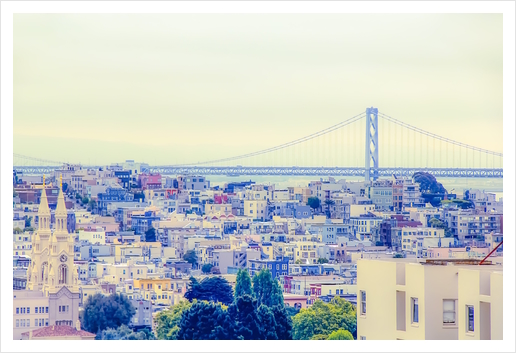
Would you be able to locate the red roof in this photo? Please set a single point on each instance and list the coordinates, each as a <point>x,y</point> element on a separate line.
<point>59,331</point>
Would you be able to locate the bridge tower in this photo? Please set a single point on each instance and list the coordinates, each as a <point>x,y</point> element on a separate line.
<point>371,147</point>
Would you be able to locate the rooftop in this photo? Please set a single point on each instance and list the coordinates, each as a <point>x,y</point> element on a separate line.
<point>58,331</point>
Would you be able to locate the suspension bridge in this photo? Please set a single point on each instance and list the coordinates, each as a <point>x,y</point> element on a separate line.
<point>353,147</point>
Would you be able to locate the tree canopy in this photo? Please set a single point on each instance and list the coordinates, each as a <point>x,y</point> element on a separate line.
<point>340,335</point>
<point>314,202</point>
<point>215,289</point>
<point>243,283</point>
<point>206,321</point>
<point>322,260</point>
<point>191,257</point>
<point>150,235</point>
<point>125,333</point>
<point>206,268</point>
<point>324,318</point>
<point>168,320</point>
<point>266,289</point>
<point>428,184</point>
<point>102,312</point>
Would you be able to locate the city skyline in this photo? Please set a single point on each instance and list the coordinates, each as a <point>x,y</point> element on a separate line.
<point>106,77</point>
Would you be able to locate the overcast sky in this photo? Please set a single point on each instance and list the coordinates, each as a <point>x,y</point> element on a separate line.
<point>175,88</point>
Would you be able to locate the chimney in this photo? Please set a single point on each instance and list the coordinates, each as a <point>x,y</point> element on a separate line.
<point>78,325</point>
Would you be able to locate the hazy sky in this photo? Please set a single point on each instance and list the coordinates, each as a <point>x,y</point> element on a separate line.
<point>173,88</point>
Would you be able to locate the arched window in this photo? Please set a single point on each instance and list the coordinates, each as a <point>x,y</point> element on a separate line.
<point>63,274</point>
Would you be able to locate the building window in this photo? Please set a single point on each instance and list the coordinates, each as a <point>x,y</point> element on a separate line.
<point>470,317</point>
<point>28,310</point>
<point>448,311</point>
<point>415,310</point>
<point>35,310</point>
<point>17,310</point>
<point>46,310</point>
<point>17,323</point>
<point>362,338</point>
<point>362,302</point>
<point>36,322</point>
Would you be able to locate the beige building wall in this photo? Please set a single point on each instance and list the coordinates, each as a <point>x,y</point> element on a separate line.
<point>482,290</point>
<point>392,285</point>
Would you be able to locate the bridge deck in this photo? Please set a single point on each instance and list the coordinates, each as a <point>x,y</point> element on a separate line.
<point>297,171</point>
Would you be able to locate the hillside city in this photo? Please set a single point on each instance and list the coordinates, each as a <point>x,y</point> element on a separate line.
<point>120,253</point>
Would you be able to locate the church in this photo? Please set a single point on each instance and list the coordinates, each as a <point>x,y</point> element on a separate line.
<point>52,296</point>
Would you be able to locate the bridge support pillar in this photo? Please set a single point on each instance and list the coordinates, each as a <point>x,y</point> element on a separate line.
<point>371,147</point>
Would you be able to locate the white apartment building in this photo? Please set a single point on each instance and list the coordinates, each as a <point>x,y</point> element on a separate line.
<point>402,299</point>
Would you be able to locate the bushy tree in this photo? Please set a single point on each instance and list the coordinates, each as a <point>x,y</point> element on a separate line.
<point>102,312</point>
<point>246,321</point>
<point>206,321</point>
<point>283,322</point>
<point>324,318</point>
<point>206,268</point>
<point>266,289</point>
<point>243,284</point>
<point>168,320</point>
<point>267,322</point>
<point>150,235</point>
<point>314,202</point>
<point>125,333</point>
<point>85,200</point>
<point>215,289</point>
<point>340,335</point>
<point>322,260</point>
<point>428,184</point>
<point>191,257</point>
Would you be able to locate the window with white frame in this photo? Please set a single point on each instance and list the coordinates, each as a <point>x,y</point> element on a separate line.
<point>470,318</point>
<point>449,311</point>
<point>415,310</point>
<point>362,302</point>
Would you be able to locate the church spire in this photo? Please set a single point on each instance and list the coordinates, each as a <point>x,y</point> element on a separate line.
<point>43,209</point>
<point>61,213</point>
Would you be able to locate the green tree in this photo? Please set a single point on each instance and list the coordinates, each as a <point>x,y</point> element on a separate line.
<point>102,312</point>
<point>150,235</point>
<point>243,283</point>
<point>266,289</point>
<point>319,337</point>
<point>328,203</point>
<point>324,318</point>
<point>283,322</point>
<point>314,202</point>
<point>125,333</point>
<point>191,257</point>
<point>299,262</point>
<point>206,321</point>
<point>340,335</point>
<point>428,184</point>
<point>267,323</point>
<point>398,256</point>
<point>246,321</point>
<point>291,311</point>
<point>437,223</point>
<point>85,200</point>
<point>215,289</point>
<point>168,320</point>
<point>17,230</point>
<point>92,205</point>
<point>322,260</point>
<point>206,268</point>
